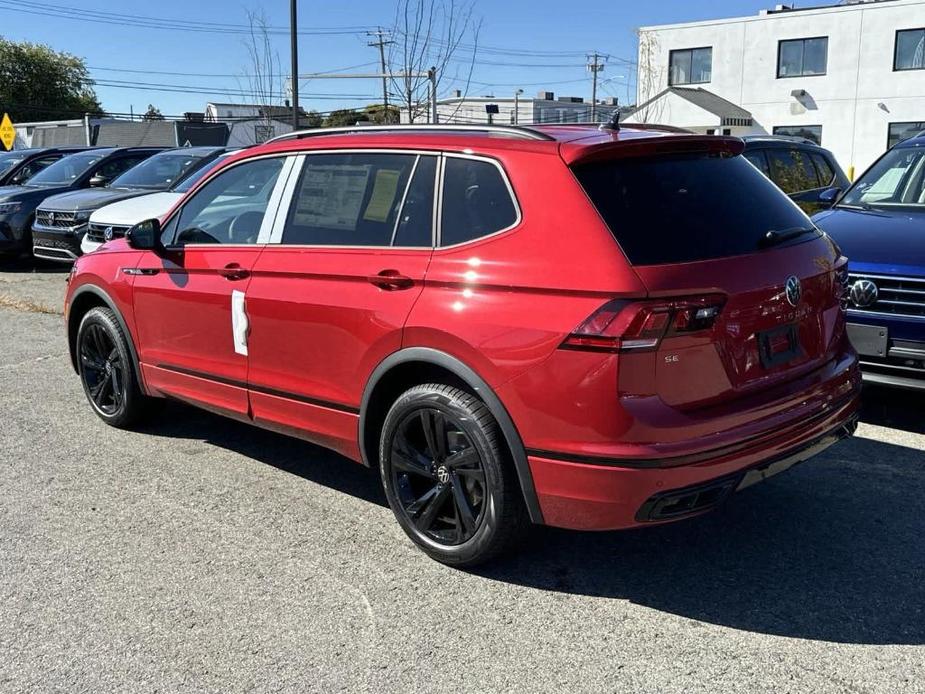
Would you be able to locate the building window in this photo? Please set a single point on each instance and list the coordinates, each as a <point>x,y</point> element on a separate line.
<point>909,53</point>
<point>690,66</point>
<point>903,131</point>
<point>813,133</point>
<point>802,57</point>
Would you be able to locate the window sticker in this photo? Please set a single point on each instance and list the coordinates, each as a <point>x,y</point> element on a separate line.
<point>331,196</point>
<point>380,204</point>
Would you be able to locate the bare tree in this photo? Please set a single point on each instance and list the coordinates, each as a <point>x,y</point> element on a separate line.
<point>263,80</point>
<point>650,77</point>
<point>442,35</point>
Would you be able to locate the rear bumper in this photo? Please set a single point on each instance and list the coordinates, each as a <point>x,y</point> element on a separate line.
<point>602,496</point>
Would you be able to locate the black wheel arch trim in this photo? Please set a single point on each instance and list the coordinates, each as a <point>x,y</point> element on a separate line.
<point>481,390</point>
<point>110,304</point>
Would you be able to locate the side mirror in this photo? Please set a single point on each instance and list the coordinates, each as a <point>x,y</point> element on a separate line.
<point>828,197</point>
<point>98,181</point>
<point>145,236</point>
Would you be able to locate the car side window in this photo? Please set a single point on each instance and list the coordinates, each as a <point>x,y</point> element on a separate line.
<point>476,201</point>
<point>116,167</point>
<point>361,199</point>
<point>34,166</point>
<point>760,161</point>
<point>826,172</point>
<point>230,208</point>
<point>792,170</point>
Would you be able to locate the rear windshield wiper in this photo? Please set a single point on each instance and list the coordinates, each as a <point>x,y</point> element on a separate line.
<point>778,236</point>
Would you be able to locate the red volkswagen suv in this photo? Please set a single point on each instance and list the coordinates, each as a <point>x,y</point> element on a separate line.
<point>585,327</point>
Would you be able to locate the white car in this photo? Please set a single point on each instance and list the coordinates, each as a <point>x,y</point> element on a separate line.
<point>112,221</point>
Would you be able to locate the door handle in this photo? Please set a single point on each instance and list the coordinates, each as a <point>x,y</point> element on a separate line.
<point>233,271</point>
<point>390,280</point>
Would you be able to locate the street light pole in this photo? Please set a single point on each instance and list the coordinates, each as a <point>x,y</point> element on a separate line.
<point>517,106</point>
<point>293,21</point>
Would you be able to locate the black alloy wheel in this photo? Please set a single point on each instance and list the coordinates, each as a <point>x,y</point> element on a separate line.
<point>447,477</point>
<point>438,476</point>
<point>102,370</point>
<point>106,369</point>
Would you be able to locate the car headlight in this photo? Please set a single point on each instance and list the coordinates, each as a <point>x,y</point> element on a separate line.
<point>82,217</point>
<point>10,207</point>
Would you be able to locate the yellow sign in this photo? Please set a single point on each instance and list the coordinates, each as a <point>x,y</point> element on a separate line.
<point>7,132</point>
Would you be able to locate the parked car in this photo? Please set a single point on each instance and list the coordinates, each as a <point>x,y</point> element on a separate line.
<point>805,171</point>
<point>879,223</point>
<point>586,328</point>
<point>114,219</point>
<point>93,167</point>
<point>156,173</point>
<point>19,165</point>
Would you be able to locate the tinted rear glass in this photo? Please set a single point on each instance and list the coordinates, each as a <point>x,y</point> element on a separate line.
<point>680,209</point>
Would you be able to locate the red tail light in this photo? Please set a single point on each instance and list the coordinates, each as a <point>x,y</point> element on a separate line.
<point>622,326</point>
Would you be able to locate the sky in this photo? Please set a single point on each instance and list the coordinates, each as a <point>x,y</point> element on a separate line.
<point>142,53</point>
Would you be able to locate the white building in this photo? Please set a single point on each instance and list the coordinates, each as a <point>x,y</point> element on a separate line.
<point>544,108</point>
<point>851,76</point>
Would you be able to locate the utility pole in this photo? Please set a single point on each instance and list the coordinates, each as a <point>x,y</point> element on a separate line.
<point>381,44</point>
<point>595,66</point>
<point>432,76</point>
<point>294,40</point>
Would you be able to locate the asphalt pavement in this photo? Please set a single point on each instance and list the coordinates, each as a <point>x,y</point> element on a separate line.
<point>197,554</point>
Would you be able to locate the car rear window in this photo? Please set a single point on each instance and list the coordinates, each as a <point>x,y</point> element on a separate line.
<point>683,208</point>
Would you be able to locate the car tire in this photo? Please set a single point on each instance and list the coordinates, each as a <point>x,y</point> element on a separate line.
<point>107,370</point>
<point>446,476</point>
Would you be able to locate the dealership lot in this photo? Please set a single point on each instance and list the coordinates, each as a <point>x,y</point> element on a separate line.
<point>202,555</point>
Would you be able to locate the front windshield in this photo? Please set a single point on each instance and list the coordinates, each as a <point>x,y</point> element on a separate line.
<point>187,183</point>
<point>67,170</point>
<point>898,179</point>
<point>159,172</point>
<point>10,159</point>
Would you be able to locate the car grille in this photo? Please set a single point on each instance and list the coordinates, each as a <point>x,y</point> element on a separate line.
<point>53,219</point>
<point>901,296</point>
<point>97,232</point>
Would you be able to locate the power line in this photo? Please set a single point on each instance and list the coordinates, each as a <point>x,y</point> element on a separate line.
<point>212,74</point>
<point>112,18</point>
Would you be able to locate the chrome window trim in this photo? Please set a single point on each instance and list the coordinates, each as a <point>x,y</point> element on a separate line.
<point>285,200</point>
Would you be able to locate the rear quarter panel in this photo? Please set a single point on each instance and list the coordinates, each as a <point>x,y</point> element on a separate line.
<point>504,303</point>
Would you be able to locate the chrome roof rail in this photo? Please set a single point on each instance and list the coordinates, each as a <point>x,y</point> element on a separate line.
<point>512,131</point>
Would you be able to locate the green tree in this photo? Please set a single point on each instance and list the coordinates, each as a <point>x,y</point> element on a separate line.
<point>153,113</point>
<point>312,119</point>
<point>378,114</point>
<point>38,83</point>
<point>345,116</point>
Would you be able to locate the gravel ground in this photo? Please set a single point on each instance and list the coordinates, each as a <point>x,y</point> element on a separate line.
<point>202,555</point>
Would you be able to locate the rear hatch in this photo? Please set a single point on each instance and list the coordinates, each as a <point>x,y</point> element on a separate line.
<point>744,293</point>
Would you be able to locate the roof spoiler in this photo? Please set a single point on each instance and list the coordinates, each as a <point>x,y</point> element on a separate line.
<point>576,153</point>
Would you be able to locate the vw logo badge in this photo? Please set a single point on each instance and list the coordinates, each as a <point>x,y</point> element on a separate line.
<point>443,474</point>
<point>107,234</point>
<point>794,290</point>
<point>864,293</point>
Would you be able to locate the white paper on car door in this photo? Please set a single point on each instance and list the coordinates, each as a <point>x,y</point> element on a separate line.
<point>239,322</point>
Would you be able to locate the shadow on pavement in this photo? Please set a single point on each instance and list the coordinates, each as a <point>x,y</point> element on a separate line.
<point>32,266</point>
<point>894,407</point>
<point>833,550</point>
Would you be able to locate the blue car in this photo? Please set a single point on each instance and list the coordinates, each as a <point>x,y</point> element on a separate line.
<point>879,223</point>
